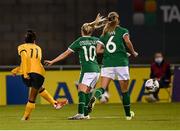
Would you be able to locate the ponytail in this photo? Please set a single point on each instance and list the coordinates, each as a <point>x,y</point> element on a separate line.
<point>113,21</point>
<point>30,36</point>
<point>109,27</point>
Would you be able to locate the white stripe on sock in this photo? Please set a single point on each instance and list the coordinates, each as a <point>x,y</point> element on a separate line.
<point>81,103</point>
<point>127,105</point>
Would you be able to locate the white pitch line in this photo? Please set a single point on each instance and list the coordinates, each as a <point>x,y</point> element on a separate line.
<point>106,117</point>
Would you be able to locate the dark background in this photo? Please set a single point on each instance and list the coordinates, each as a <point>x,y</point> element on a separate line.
<point>58,22</point>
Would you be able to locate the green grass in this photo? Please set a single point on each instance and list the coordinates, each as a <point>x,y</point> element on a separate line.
<point>108,116</point>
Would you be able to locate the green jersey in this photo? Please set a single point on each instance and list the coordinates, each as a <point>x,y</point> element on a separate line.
<point>86,48</point>
<point>115,51</point>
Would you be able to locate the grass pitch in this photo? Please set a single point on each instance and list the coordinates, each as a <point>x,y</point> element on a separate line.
<point>105,116</point>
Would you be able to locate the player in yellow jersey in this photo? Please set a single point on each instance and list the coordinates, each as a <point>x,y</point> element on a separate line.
<point>33,73</point>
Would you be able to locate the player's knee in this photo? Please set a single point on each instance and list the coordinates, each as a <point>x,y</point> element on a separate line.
<point>83,88</point>
<point>41,89</point>
<point>32,100</point>
<point>124,90</point>
<point>124,85</point>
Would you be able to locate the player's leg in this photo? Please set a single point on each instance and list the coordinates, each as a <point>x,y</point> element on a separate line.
<point>123,77</point>
<point>47,96</point>
<point>107,74</point>
<point>35,82</point>
<point>31,103</point>
<point>104,84</point>
<point>82,91</point>
<point>98,92</point>
<point>86,111</point>
<point>126,99</point>
<point>86,81</point>
<point>125,96</point>
<point>38,81</point>
<point>95,78</point>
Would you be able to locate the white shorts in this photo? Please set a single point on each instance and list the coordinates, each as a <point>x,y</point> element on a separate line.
<point>121,73</point>
<point>90,79</point>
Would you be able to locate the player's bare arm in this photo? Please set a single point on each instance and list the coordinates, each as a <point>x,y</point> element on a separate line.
<point>59,58</point>
<point>100,48</point>
<point>130,45</point>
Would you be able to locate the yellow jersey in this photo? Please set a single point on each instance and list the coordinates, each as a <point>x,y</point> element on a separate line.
<point>31,60</point>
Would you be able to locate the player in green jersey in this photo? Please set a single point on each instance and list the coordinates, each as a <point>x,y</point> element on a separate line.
<point>85,46</point>
<point>115,60</point>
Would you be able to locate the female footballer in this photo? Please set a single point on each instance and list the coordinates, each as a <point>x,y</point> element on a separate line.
<point>33,73</point>
<point>115,60</point>
<point>86,48</point>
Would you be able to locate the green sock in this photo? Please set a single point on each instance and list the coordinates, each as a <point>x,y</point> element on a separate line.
<point>99,92</point>
<point>126,103</point>
<point>88,97</point>
<point>82,100</point>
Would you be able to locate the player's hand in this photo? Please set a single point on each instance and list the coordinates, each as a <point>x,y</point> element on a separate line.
<point>135,54</point>
<point>26,76</point>
<point>48,62</point>
<point>13,74</point>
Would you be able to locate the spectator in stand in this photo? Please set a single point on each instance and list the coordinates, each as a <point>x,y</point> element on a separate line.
<point>160,70</point>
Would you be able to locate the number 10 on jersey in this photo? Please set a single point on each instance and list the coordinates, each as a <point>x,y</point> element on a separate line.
<point>89,53</point>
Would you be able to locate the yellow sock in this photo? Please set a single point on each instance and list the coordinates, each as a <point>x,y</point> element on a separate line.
<point>29,107</point>
<point>45,94</point>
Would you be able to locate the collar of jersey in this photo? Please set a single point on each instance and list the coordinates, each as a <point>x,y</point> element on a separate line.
<point>86,36</point>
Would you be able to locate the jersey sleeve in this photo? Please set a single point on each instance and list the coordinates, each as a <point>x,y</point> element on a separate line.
<point>125,32</point>
<point>96,40</point>
<point>101,40</point>
<point>16,70</point>
<point>24,64</point>
<point>75,46</point>
<point>21,48</point>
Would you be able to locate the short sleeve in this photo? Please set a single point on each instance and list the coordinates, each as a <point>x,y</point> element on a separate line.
<point>101,40</point>
<point>125,32</point>
<point>21,48</point>
<point>96,40</point>
<point>75,46</point>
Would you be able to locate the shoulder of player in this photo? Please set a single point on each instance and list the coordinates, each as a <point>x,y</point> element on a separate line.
<point>37,46</point>
<point>26,46</point>
<point>122,28</point>
<point>22,46</point>
<point>86,38</point>
<point>96,38</point>
<point>78,40</point>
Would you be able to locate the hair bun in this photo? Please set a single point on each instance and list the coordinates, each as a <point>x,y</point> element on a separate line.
<point>30,36</point>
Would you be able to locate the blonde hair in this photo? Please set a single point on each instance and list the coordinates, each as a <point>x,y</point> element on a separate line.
<point>113,21</point>
<point>87,29</point>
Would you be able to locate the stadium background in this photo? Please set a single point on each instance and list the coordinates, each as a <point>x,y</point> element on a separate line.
<point>153,25</point>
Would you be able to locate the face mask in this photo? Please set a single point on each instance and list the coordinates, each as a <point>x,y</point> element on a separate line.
<point>158,60</point>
